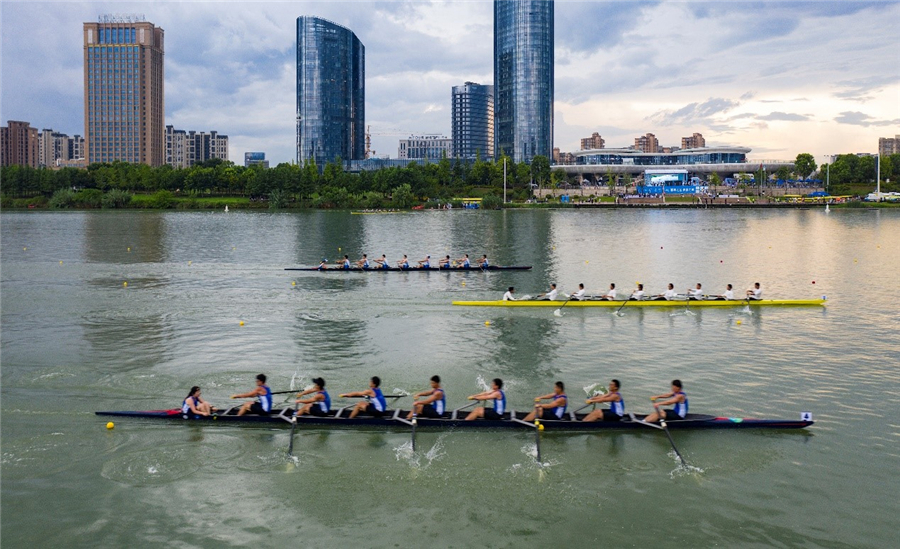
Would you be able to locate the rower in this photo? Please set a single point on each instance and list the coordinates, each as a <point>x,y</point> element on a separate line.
<point>669,294</point>
<point>675,397</point>
<point>444,263</point>
<point>550,295</point>
<point>497,395</point>
<point>403,263</point>
<point>616,405</point>
<point>579,295</point>
<point>345,263</point>
<point>484,262</point>
<point>383,262</point>
<point>508,296</point>
<point>262,406</point>
<point>425,263</point>
<point>638,294</point>
<point>374,403</point>
<point>323,264</point>
<point>319,404</point>
<point>363,263</point>
<point>611,294</point>
<point>555,409</point>
<point>695,293</point>
<point>194,404</point>
<point>432,406</point>
<point>754,293</point>
<point>463,262</point>
<point>729,293</point>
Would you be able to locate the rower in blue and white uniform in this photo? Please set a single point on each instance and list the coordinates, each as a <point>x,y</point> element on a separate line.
<point>675,398</point>
<point>444,263</point>
<point>263,404</point>
<point>403,263</point>
<point>317,405</point>
<point>555,409</point>
<point>345,263</point>
<point>616,405</point>
<point>383,262</point>
<point>194,405</point>
<point>484,262</point>
<point>425,263</point>
<point>363,263</point>
<point>463,262</point>
<point>496,395</point>
<point>375,403</point>
<point>434,403</point>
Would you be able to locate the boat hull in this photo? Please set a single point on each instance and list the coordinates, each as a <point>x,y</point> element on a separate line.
<point>456,419</point>
<point>648,303</point>
<point>337,269</point>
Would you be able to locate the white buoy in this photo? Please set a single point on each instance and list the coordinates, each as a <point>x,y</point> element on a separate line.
<point>226,208</point>
<point>826,208</point>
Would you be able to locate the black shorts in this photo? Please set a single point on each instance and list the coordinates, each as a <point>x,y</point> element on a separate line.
<point>490,413</point>
<point>609,415</point>
<point>256,408</point>
<point>372,411</point>
<point>672,416</point>
<point>429,411</point>
<point>317,411</point>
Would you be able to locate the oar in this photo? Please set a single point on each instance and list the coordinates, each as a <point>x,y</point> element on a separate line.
<point>557,312</point>
<point>414,423</point>
<point>622,306</point>
<point>537,438</point>
<point>662,422</point>
<point>291,443</point>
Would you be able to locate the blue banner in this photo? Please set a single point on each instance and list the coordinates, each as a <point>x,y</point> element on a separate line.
<point>668,189</point>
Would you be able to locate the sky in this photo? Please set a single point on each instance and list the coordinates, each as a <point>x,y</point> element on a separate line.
<point>779,77</point>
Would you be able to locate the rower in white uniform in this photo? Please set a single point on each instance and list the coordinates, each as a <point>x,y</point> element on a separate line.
<point>578,295</point>
<point>695,293</point>
<point>550,295</point>
<point>754,293</point>
<point>729,293</point>
<point>611,294</point>
<point>433,405</point>
<point>668,295</point>
<point>637,294</point>
<point>508,296</point>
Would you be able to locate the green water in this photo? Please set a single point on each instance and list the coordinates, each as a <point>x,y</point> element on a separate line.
<point>76,340</point>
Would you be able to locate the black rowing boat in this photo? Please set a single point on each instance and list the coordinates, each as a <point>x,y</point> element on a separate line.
<point>475,268</point>
<point>456,419</point>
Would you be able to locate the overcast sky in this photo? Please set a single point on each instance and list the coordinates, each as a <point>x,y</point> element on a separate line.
<point>781,78</point>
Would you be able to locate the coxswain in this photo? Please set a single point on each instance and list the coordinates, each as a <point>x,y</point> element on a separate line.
<point>637,294</point>
<point>262,406</point>
<point>675,397</point>
<point>403,263</point>
<point>611,294</point>
<point>508,296</point>
<point>383,262</point>
<point>319,404</point>
<point>425,263</point>
<point>550,295</point>
<point>754,293</point>
<point>194,404</point>
<point>555,409</point>
<point>695,293</point>
<point>345,263</point>
<point>444,263</point>
<point>729,293</point>
<point>463,262</point>
<point>363,263</point>
<point>323,264</point>
<point>374,405</point>
<point>497,395</point>
<point>434,403</point>
<point>669,294</point>
<point>578,295</point>
<point>616,405</point>
<point>484,262</point>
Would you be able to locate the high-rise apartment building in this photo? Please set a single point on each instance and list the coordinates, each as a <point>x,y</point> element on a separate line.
<point>56,148</point>
<point>523,78</point>
<point>186,148</point>
<point>696,141</point>
<point>124,111</point>
<point>647,143</point>
<point>593,142</point>
<point>19,145</point>
<point>425,147</point>
<point>331,92</point>
<point>472,121</point>
<point>888,145</point>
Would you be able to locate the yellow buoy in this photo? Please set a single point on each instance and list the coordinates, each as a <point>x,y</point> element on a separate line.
<point>586,261</point>
<point>129,248</point>
<point>110,425</point>
<point>125,284</point>
<point>60,262</point>
<point>487,322</point>
<point>234,247</point>
<point>738,322</point>
<point>293,283</point>
<point>463,282</point>
<point>339,248</point>
<point>190,262</point>
<point>23,249</point>
<point>242,323</point>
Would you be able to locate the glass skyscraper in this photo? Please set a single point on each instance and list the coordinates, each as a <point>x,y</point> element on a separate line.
<point>124,111</point>
<point>523,78</point>
<point>472,121</point>
<point>331,92</point>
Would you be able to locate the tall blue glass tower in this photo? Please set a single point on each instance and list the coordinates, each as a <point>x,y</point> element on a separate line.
<point>523,78</point>
<point>331,92</point>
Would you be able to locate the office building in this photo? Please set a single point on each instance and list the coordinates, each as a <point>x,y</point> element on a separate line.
<point>424,147</point>
<point>696,141</point>
<point>255,159</point>
<point>472,121</point>
<point>124,111</point>
<point>331,92</point>
<point>186,148</point>
<point>646,143</point>
<point>19,145</point>
<point>888,145</point>
<point>593,142</point>
<point>523,78</point>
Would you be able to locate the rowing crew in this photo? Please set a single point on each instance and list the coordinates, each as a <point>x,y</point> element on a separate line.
<point>638,294</point>
<point>432,403</point>
<point>383,263</point>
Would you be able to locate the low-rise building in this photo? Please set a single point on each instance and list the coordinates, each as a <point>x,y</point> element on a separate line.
<point>425,147</point>
<point>186,148</point>
<point>696,141</point>
<point>646,143</point>
<point>593,142</point>
<point>888,145</point>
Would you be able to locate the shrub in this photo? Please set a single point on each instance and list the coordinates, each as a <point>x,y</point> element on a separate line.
<point>491,202</point>
<point>162,200</point>
<point>116,198</point>
<point>63,198</point>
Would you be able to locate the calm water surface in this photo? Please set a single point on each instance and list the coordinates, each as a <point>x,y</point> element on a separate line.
<point>76,340</point>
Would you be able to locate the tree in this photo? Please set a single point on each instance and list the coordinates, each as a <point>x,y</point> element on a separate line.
<point>783,173</point>
<point>558,176</point>
<point>714,179</point>
<point>805,165</point>
<point>540,170</point>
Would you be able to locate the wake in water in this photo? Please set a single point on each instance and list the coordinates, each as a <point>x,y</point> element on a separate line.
<point>592,390</point>
<point>683,469</point>
<point>399,391</point>
<point>421,460</point>
<point>480,381</point>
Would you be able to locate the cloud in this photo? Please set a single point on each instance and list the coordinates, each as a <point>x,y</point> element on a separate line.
<point>863,89</point>
<point>784,116</point>
<point>856,118</point>
<point>693,113</point>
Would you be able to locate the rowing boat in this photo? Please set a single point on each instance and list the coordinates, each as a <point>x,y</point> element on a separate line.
<point>456,419</point>
<point>647,303</point>
<point>413,269</point>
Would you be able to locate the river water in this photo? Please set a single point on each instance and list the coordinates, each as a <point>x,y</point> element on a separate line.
<point>76,339</point>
